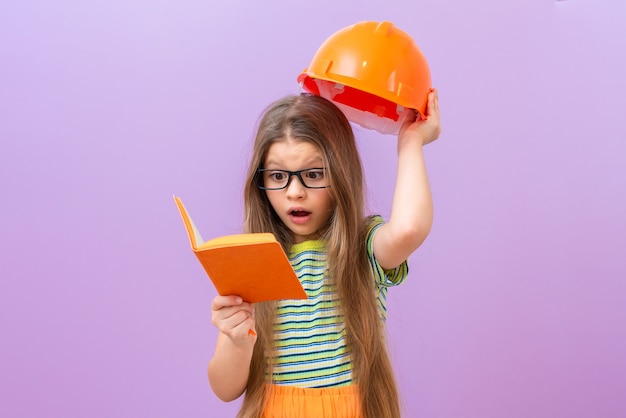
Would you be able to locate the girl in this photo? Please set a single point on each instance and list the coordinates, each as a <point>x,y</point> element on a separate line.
<point>325,356</point>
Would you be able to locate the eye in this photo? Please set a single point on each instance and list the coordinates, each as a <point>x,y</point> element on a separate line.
<point>315,174</point>
<point>276,175</point>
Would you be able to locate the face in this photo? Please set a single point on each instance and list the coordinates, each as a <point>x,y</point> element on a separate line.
<point>305,211</point>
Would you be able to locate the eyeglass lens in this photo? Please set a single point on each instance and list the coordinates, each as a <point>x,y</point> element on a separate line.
<point>313,178</point>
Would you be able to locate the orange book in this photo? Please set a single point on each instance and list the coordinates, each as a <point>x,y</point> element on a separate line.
<point>253,266</point>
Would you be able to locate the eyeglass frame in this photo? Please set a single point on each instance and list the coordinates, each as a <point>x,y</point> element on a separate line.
<point>296,173</point>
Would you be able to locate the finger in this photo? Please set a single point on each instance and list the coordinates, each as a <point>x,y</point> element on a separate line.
<point>228,312</point>
<point>245,329</point>
<point>231,323</point>
<point>431,109</point>
<point>427,109</point>
<point>220,302</point>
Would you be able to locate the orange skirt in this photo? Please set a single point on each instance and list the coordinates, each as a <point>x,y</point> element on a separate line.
<point>293,402</point>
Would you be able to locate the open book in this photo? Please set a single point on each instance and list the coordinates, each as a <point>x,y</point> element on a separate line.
<point>253,266</point>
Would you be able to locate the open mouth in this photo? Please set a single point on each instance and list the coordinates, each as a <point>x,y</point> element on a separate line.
<point>299,216</point>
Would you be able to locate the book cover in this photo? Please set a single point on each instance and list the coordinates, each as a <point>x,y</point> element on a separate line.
<point>253,266</point>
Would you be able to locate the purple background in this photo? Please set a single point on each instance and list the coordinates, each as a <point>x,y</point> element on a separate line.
<point>515,306</point>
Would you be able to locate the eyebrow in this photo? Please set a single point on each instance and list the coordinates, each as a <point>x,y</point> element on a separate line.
<point>311,163</point>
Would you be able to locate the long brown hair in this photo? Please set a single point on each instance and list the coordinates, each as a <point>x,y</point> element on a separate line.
<point>318,121</point>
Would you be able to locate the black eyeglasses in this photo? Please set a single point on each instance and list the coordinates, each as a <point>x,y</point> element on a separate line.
<point>311,178</point>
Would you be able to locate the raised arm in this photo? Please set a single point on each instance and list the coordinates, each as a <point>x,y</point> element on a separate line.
<point>230,365</point>
<point>412,206</point>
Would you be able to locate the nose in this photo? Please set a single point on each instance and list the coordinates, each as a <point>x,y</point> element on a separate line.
<point>295,188</point>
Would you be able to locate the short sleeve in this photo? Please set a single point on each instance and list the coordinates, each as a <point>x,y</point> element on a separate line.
<point>383,278</point>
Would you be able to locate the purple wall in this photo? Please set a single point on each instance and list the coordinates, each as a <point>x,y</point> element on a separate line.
<point>515,305</point>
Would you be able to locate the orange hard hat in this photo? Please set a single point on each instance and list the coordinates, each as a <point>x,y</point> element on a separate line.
<point>370,67</point>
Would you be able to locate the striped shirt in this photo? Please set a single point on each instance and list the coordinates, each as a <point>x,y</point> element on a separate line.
<point>310,334</point>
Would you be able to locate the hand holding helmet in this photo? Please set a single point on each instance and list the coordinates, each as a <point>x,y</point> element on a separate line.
<point>428,126</point>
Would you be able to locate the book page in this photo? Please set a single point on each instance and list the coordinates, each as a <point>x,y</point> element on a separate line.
<point>239,239</point>
<point>196,234</point>
<point>192,230</point>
